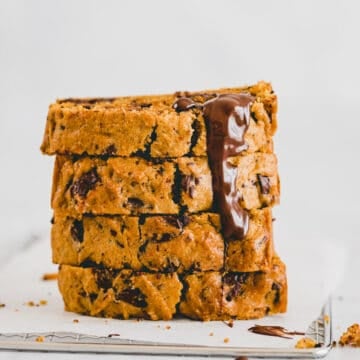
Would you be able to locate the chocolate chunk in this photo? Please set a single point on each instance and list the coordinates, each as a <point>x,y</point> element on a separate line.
<point>276,288</point>
<point>88,263</point>
<point>235,281</point>
<point>264,182</point>
<point>113,232</point>
<point>132,296</point>
<point>177,221</point>
<point>165,237</point>
<point>135,202</point>
<point>110,150</point>
<point>93,296</point>
<point>85,183</point>
<point>77,231</point>
<point>183,104</point>
<point>145,105</point>
<point>104,278</point>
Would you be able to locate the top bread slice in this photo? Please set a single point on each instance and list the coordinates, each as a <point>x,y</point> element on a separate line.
<point>149,125</point>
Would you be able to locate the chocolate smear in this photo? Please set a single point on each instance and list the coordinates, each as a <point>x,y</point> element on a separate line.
<point>85,183</point>
<point>274,330</point>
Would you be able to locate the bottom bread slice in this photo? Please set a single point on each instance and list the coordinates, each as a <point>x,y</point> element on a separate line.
<point>203,296</point>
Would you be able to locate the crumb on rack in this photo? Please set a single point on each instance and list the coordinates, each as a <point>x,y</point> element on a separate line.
<point>211,334</point>
<point>226,340</point>
<point>334,343</point>
<point>43,302</point>
<point>40,339</point>
<point>2,305</point>
<point>50,276</point>
<point>30,303</point>
<point>326,318</point>
<point>75,321</point>
<point>351,336</point>
<point>305,343</point>
<point>229,323</point>
<point>167,327</point>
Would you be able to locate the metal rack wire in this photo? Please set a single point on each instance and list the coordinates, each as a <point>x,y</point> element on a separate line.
<point>319,330</point>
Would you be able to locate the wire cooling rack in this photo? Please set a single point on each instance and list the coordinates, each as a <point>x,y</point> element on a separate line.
<point>319,330</point>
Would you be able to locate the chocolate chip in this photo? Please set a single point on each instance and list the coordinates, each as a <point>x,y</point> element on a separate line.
<point>177,221</point>
<point>235,282</point>
<point>85,183</point>
<point>145,105</point>
<point>276,288</point>
<point>264,182</point>
<point>132,296</point>
<point>104,278</point>
<point>183,104</point>
<point>110,150</point>
<point>52,221</point>
<point>135,202</point>
<point>88,263</point>
<point>113,232</point>
<point>93,297</point>
<point>165,237</point>
<point>77,231</point>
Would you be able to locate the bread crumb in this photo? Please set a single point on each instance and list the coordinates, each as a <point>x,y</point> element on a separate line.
<point>326,318</point>
<point>43,302</point>
<point>226,340</point>
<point>305,343</point>
<point>211,334</point>
<point>229,323</point>
<point>334,343</point>
<point>75,321</point>
<point>30,303</point>
<point>40,339</point>
<point>49,276</point>
<point>2,305</point>
<point>351,336</point>
<point>167,327</point>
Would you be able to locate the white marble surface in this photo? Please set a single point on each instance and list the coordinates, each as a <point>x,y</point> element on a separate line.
<point>308,49</point>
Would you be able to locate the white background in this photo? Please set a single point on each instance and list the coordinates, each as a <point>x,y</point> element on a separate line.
<point>309,50</point>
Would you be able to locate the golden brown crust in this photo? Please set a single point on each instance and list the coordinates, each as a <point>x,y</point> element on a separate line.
<point>139,124</point>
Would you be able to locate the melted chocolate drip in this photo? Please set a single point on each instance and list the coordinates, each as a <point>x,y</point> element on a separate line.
<point>227,119</point>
